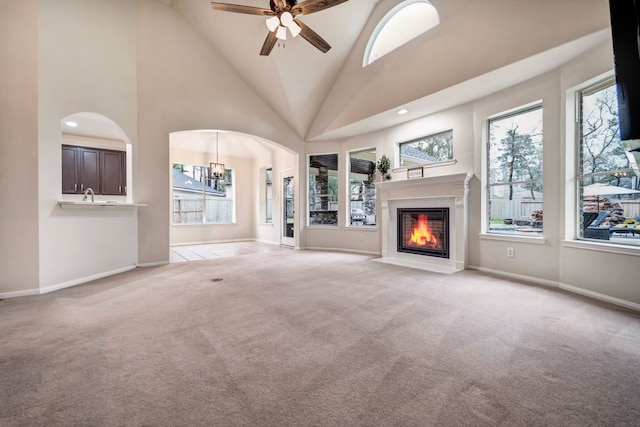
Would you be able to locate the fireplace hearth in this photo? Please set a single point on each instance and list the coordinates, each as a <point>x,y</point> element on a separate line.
<point>424,231</point>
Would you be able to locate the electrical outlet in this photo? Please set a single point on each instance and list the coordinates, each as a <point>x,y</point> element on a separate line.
<point>511,253</point>
<point>362,237</point>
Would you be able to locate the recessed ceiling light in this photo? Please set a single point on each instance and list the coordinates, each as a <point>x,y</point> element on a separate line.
<point>403,111</point>
<point>71,124</point>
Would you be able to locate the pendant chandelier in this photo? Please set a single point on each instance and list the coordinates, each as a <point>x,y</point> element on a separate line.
<point>216,169</point>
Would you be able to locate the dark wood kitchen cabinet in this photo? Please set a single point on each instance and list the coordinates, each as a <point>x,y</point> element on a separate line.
<point>104,171</point>
<point>114,168</point>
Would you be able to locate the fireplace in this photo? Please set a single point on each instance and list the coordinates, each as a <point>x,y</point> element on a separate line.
<point>437,205</point>
<point>424,231</point>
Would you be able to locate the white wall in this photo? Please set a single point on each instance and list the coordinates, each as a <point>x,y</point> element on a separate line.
<point>87,63</point>
<point>405,75</point>
<point>557,259</point>
<point>186,86</point>
<point>18,147</point>
<point>279,160</point>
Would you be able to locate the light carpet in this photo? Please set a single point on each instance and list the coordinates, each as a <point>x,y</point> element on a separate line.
<point>315,339</point>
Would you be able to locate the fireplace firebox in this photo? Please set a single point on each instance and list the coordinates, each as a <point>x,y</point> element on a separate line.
<point>424,231</point>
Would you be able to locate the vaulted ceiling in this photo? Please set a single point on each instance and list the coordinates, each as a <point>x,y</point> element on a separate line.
<point>480,47</point>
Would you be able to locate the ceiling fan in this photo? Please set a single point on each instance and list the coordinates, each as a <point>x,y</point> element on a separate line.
<point>282,16</point>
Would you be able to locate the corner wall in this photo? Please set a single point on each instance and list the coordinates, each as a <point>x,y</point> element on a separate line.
<point>87,63</point>
<point>185,85</point>
<point>18,147</point>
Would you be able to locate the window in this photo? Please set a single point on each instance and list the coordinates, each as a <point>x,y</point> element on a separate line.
<point>362,190</point>
<point>199,198</point>
<point>323,189</point>
<point>514,173</point>
<point>608,188</point>
<point>427,149</point>
<point>401,24</point>
<point>269,195</point>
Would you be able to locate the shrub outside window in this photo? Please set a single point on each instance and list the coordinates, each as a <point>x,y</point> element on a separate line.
<point>608,188</point>
<point>427,149</point>
<point>514,169</point>
<point>362,190</point>
<point>199,198</point>
<point>323,189</point>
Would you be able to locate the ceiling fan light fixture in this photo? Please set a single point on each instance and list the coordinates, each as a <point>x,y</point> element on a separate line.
<point>286,18</point>
<point>295,29</point>
<point>273,23</point>
<point>281,33</point>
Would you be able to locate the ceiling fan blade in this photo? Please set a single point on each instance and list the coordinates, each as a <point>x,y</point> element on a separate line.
<point>238,8</point>
<point>280,4</point>
<point>312,37</point>
<point>311,6</point>
<point>268,44</point>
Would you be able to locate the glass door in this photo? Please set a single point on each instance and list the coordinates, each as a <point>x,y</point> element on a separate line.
<point>288,211</point>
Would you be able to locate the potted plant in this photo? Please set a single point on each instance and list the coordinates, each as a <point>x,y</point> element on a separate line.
<point>383,166</point>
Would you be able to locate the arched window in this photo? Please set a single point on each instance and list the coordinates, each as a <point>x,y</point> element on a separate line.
<point>404,22</point>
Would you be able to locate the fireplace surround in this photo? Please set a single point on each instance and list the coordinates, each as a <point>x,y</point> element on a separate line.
<point>448,193</point>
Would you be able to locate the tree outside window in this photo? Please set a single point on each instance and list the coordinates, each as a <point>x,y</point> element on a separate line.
<point>515,173</point>
<point>427,149</point>
<point>608,188</point>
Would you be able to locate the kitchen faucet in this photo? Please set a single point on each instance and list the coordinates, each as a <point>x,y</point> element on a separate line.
<point>86,192</point>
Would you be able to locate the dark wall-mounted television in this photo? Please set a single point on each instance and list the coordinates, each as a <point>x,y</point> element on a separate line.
<point>625,29</point>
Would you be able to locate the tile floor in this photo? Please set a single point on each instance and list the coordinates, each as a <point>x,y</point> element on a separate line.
<point>221,250</point>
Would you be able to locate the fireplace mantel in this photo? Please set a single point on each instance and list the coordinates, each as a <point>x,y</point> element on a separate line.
<point>448,191</point>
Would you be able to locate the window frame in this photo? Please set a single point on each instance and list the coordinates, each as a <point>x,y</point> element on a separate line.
<point>268,195</point>
<point>362,194</point>
<point>328,195</point>
<point>579,230</point>
<point>487,208</point>
<point>203,198</point>
<point>421,138</point>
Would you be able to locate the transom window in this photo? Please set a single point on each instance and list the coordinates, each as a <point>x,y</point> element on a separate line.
<point>199,198</point>
<point>608,188</point>
<point>427,149</point>
<point>514,172</point>
<point>323,189</point>
<point>362,190</point>
<point>401,24</point>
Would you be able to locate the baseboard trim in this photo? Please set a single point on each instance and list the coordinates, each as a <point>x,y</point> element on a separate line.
<point>16,294</point>
<point>152,264</point>
<point>85,279</point>
<point>570,288</point>
<point>350,251</point>
<point>209,242</point>
<point>602,297</point>
<point>270,242</point>
<point>516,276</point>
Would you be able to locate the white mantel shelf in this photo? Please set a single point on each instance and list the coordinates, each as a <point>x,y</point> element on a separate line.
<point>432,186</point>
<point>97,205</point>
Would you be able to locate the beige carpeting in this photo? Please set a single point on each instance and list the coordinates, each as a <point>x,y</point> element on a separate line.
<point>303,338</point>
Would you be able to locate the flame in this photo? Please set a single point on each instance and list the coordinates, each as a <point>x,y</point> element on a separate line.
<point>422,235</point>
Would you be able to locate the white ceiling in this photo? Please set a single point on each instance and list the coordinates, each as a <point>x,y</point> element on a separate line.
<point>295,77</point>
<point>229,144</point>
<point>479,48</point>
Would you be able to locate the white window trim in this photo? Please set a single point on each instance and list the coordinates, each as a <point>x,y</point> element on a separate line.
<point>484,193</point>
